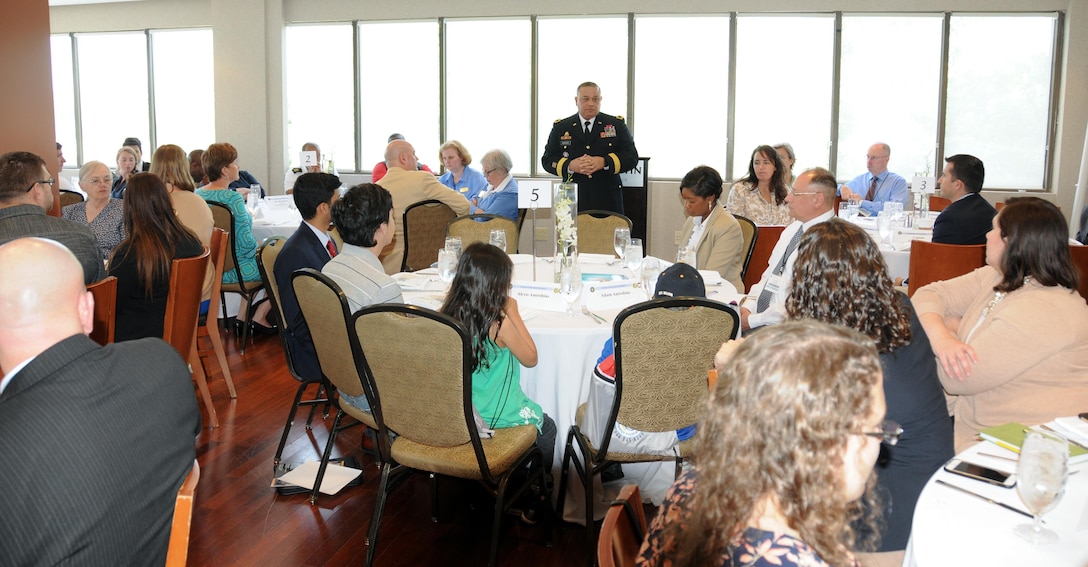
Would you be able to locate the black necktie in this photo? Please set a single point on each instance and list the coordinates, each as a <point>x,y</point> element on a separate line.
<point>587,128</point>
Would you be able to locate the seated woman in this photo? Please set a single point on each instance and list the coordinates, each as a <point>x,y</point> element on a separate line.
<point>501,196</point>
<point>710,230</point>
<point>788,158</point>
<point>782,458</point>
<point>761,195</point>
<point>128,164</point>
<point>501,344</point>
<point>105,216</point>
<point>459,176</point>
<point>142,261</point>
<point>1012,336</point>
<point>170,164</point>
<point>840,277</point>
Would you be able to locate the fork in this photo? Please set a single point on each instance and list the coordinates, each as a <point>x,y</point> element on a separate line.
<point>596,318</point>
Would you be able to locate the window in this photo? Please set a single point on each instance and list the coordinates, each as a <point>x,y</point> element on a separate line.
<point>321,92</point>
<point>113,93</point>
<point>184,89</point>
<point>64,103</point>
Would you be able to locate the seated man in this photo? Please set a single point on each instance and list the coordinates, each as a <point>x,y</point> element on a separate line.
<point>293,174</point>
<point>94,441</point>
<point>364,217</point>
<point>309,247</point>
<point>679,280</point>
<point>26,194</point>
<point>878,185</point>
<point>382,167</point>
<point>969,217</point>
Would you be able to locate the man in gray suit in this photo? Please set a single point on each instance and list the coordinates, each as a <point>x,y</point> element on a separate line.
<point>94,441</point>
<point>26,194</point>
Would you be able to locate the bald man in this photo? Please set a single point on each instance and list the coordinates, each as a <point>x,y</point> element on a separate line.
<point>408,187</point>
<point>94,441</point>
<point>877,185</point>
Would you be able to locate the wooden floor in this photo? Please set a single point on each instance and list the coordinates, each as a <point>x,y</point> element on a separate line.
<point>239,520</point>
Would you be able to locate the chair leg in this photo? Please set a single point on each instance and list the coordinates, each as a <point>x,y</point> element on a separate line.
<point>496,521</point>
<point>561,499</point>
<point>220,355</point>
<point>318,398</point>
<point>245,322</point>
<point>197,369</point>
<point>376,519</point>
<point>290,421</point>
<point>434,497</point>
<point>325,457</point>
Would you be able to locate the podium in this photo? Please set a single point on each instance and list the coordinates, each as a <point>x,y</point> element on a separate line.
<point>635,184</point>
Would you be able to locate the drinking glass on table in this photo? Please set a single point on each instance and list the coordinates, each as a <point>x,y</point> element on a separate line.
<point>498,239</point>
<point>632,255</point>
<point>453,243</point>
<point>570,285</point>
<point>884,226</point>
<point>686,256</point>
<point>447,264</point>
<point>651,269</point>
<point>622,239</point>
<point>1040,481</point>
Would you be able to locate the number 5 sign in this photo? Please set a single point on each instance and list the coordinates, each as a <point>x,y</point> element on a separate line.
<point>535,193</point>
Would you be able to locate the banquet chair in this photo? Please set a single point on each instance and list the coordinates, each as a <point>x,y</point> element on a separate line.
<point>1079,254</point>
<point>69,198</point>
<point>623,529</point>
<point>105,309</point>
<point>325,309</point>
<point>765,240</point>
<point>478,227</point>
<point>424,225</point>
<point>931,262</point>
<point>938,203</point>
<point>335,236</point>
<point>427,401</point>
<point>182,311</point>
<point>662,357</point>
<point>597,231</point>
<point>207,326</point>
<point>750,232</point>
<point>223,218</point>
<point>266,262</point>
<point>999,205</point>
<point>177,551</point>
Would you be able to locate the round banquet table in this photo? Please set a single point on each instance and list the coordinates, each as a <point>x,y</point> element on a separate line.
<point>897,256</point>
<point>952,528</point>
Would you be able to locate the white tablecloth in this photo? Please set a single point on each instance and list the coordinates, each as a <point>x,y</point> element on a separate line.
<point>275,217</point>
<point>952,528</point>
<point>897,256</point>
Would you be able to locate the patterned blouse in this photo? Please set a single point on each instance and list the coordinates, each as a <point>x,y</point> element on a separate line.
<point>244,244</point>
<point>745,200</point>
<point>753,548</point>
<point>108,227</point>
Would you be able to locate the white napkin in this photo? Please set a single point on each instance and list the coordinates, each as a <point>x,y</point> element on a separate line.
<point>419,281</point>
<point>1073,427</point>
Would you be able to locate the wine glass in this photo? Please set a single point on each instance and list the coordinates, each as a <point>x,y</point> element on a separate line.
<point>570,285</point>
<point>447,264</point>
<point>632,255</point>
<point>453,243</point>
<point>686,256</point>
<point>623,238</point>
<point>498,239</point>
<point>1041,474</point>
<point>651,269</point>
<point>884,226</point>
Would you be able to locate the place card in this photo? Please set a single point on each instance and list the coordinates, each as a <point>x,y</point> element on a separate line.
<point>606,295</point>
<point>538,295</point>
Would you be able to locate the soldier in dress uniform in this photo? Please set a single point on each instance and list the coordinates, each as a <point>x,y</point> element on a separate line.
<point>591,148</point>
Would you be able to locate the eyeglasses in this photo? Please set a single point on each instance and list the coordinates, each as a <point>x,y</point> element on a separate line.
<point>490,171</point>
<point>796,193</point>
<point>889,433</point>
<point>49,182</point>
<point>874,158</point>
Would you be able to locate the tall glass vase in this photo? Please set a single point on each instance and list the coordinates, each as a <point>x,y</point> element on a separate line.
<point>565,212</point>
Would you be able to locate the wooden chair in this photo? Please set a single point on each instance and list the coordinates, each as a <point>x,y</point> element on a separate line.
<point>223,218</point>
<point>208,326</point>
<point>177,553</point>
<point>327,314</point>
<point>938,203</point>
<point>424,226</point>
<point>999,205</point>
<point>478,227</point>
<point>182,310</point>
<point>69,198</point>
<point>623,529</point>
<point>766,238</point>
<point>750,232</point>
<point>1079,254</point>
<point>266,261</point>
<point>597,231</point>
<point>427,401</point>
<point>930,262</point>
<point>662,357</point>
<point>105,309</point>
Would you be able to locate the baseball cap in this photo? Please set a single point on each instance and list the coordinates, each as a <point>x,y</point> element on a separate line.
<point>680,280</point>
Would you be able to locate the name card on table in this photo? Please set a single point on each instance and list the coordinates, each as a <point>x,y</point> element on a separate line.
<point>612,294</point>
<point>537,295</point>
<point>902,237</point>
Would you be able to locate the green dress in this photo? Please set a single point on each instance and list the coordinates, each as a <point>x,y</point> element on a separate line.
<point>497,394</point>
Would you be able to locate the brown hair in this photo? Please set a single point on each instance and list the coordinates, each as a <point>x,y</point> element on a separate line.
<point>215,158</point>
<point>778,179</point>
<point>19,171</point>
<point>462,152</point>
<point>1036,244</point>
<point>172,165</point>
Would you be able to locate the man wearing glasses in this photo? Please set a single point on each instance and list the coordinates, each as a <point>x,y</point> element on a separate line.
<point>26,193</point>
<point>878,185</point>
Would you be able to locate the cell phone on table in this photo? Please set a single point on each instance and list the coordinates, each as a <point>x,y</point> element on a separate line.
<point>979,472</point>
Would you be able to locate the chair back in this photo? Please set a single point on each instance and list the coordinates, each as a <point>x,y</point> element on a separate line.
<point>1079,254</point>
<point>999,205</point>
<point>69,198</point>
<point>105,309</point>
<point>335,236</point>
<point>664,348</point>
<point>749,231</point>
<point>217,259</point>
<point>938,203</point>
<point>931,262</point>
<point>267,253</point>
<point>765,240</point>
<point>183,302</point>
<point>223,218</point>
<point>623,529</point>
<point>177,552</point>
<point>478,227</point>
<point>424,225</point>
<point>326,312</point>
<point>597,231</point>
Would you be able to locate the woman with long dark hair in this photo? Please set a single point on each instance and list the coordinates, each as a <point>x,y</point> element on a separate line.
<point>761,195</point>
<point>142,261</point>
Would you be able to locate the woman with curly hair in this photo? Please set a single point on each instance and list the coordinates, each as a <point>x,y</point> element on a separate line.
<point>840,277</point>
<point>761,195</point>
<point>782,458</point>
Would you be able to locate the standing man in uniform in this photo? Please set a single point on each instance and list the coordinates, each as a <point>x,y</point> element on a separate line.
<point>592,149</point>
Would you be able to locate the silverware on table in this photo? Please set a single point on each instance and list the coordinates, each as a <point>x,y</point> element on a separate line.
<point>981,497</point>
<point>1062,436</point>
<point>596,318</point>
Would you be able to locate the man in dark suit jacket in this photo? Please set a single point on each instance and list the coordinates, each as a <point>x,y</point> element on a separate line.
<point>94,441</point>
<point>309,247</point>
<point>593,149</point>
<point>970,216</point>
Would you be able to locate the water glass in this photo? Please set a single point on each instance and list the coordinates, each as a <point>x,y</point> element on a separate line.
<point>570,285</point>
<point>1041,473</point>
<point>622,239</point>
<point>453,243</point>
<point>498,239</point>
<point>447,265</point>
<point>651,269</point>
<point>632,255</point>
<point>686,256</point>
<point>884,226</point>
